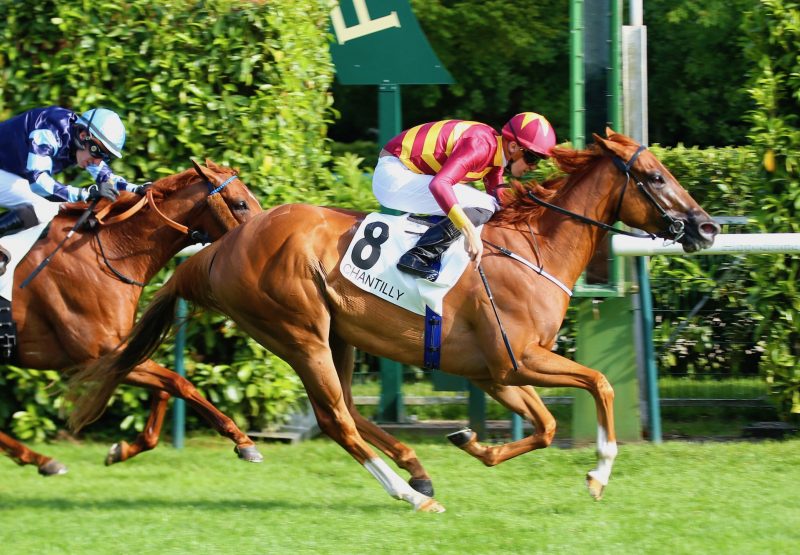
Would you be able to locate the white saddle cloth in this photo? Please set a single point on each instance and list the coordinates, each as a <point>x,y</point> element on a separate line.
<point>370,263</point>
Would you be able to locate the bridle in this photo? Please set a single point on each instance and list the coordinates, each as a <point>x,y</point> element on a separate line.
<point>195,236</point>
<point>675,230</point>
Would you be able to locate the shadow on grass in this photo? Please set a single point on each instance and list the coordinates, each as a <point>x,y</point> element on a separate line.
<point>9,503</point>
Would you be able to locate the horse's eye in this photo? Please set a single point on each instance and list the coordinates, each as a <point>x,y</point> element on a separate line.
<point>241,205</point>
<point>657,179</point>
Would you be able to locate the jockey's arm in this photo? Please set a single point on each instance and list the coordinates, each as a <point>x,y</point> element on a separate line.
<point>466,157</point>
<point>39,168</point>
<point>102,172</point>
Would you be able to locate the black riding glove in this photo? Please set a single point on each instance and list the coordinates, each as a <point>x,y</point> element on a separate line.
<point>142,189</point>
<point>104,190</point>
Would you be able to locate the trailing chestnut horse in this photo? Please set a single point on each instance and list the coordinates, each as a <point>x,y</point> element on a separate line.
<point>84,302</point>
<point>278,277</point>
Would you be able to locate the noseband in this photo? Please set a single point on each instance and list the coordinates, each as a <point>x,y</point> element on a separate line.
<point>676,227</point>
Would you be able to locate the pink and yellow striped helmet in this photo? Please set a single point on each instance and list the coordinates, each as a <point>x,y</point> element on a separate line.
<point>531,131</point>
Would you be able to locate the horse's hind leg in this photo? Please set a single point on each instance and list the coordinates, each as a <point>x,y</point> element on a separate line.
<point>402,455</point>
<point>165,383</point>
<point>525,402</point>
<point>22,455</point>
<point>315,366</point>
<point>148,438</point>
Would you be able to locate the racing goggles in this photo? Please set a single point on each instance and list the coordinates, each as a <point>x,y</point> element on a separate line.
<point>95,150</point>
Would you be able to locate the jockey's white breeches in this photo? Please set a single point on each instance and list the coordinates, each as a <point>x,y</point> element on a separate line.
<point>15,190</point>
<point>398,188</point>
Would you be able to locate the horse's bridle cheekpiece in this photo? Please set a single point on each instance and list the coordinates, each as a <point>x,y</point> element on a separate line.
<point>195,235</point>
<point>672,234</point>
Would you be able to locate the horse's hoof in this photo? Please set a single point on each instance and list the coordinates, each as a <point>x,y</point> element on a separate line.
<point>116,453</point>
<point>52,468</point>
<point>431,506</point>
<point>249,454</point>
<point>461,437</point>
<point>422,485</point>
<point>595,488</point>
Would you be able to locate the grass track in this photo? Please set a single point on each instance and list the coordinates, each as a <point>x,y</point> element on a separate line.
<point>312,498</point>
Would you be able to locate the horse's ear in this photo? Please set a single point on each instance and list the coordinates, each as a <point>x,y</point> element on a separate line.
<point>610,132</point>
<point>601,142</point>
<point>211,165</point>
<point>607,145</point>
<point>199,169</point>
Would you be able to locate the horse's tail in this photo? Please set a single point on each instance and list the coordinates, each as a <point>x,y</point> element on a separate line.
<point>91,387</point>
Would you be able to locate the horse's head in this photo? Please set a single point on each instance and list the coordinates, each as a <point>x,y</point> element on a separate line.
<point>228,199</point>
<point>657,204</point>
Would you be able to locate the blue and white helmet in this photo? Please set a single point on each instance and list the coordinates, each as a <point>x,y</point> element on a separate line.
<point>105,126</point>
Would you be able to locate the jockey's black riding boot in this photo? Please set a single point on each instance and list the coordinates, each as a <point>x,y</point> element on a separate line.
<point>14,220</point>
<point>423,258</point>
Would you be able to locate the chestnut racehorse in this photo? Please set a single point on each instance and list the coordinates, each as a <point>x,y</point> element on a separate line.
<point>278,277</point>
<point>83,303</point>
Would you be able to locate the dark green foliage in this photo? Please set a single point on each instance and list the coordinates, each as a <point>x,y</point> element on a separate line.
<point>697,73</point>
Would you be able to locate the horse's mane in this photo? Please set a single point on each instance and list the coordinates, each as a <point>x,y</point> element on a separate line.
<point>519,207</point>
<point>162,187</point>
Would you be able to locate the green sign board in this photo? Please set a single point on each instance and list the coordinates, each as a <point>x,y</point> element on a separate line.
<point>376,42</point>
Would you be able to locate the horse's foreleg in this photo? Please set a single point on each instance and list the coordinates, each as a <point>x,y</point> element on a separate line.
<point>153,376</point>
<point>22,455</point>
<point>402,455</point>
<point>543,368</point>
<point>525,402</point>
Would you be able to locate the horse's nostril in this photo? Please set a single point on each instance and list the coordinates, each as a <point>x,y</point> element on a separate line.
<point>709,229</point>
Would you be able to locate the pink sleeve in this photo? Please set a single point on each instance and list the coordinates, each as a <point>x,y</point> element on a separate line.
<point>467,156</point>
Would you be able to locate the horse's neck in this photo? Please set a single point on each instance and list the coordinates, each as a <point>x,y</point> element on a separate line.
<point>144,244</point>
<point>561,245</point>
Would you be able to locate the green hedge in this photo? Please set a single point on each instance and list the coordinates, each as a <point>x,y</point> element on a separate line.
<point>773,34</point>
<point>245,83</point>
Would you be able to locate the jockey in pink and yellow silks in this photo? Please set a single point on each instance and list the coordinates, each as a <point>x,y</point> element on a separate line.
<point>424,170</point>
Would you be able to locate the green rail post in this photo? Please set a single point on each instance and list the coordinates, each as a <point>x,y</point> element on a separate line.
<point>477,410</point>
<point>576,76</point>
<point>651,372</point>
<point>604,344</point>
<point>179,405</point>
<point>390,405</point>
<point>516,427</point>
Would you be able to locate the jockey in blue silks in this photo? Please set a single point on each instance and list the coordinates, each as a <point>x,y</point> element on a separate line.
<point>39,143</point>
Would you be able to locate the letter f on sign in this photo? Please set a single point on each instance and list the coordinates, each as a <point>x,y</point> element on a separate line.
<point>365,26</point>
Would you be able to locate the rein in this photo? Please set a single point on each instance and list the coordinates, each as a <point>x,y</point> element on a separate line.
<point>196,236</point>
<point>676,227</point>
<point>538,269</point>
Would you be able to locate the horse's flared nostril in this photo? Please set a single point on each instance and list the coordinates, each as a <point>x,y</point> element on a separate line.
<point>709,229</point>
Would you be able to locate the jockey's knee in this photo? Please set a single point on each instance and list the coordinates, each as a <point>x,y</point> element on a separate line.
<point>478,216</point>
